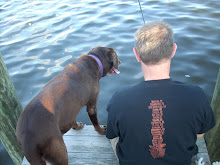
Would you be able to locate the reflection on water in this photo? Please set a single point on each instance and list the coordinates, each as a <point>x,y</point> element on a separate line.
<point>38,38</point>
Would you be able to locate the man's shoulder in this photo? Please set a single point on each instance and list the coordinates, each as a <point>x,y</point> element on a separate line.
<point>127,89</point>
<point>123,93</point>
<point>187,86</point>
<point>188,91</point>
<point>172,84</point>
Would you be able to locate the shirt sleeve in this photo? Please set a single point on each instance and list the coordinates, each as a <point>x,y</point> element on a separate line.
<point>112,130</point>
<point>208,116</point>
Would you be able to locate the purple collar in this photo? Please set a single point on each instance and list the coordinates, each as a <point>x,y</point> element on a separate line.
<point>99,63</point>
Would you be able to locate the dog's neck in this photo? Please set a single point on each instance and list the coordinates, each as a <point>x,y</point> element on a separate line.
<point>99,63</point>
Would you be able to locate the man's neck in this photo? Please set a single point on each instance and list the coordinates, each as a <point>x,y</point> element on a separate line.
<point>156,72</point>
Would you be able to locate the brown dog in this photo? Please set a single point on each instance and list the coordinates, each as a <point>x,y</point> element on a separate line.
<point>54,110</point>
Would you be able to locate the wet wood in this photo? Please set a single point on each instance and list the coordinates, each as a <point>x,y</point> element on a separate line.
<point>10,110</point>
<point>87,147</point>
<point>213,136</point>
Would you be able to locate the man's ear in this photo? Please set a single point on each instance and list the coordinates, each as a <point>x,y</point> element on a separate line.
<point>174,49</point>
<point>136,55</point>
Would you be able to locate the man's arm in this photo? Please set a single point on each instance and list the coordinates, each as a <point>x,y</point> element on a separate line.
<point>110,133</point>
<point>200,135</point>
<point>112,130</point>
<point>207,117</point>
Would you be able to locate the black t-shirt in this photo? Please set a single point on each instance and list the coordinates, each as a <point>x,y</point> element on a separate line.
<point>157,122</point>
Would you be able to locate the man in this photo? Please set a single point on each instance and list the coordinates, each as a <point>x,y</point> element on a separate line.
<point>157,121</point>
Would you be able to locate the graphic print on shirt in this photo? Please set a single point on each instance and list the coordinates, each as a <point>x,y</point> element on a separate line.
<point>157,150</point>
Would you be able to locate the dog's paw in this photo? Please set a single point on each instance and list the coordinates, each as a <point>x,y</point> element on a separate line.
<point>78,126</point>
<point>102,130</point>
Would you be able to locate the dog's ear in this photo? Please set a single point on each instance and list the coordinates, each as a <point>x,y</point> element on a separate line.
<point>115,61</point>
<point>115,58</point>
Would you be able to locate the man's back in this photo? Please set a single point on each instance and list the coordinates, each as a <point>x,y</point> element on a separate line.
<point>158,121</point>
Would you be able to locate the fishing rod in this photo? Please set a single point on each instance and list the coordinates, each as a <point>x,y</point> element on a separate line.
<point>141,10</point>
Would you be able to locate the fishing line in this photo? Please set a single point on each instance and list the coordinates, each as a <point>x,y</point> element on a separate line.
<point>141,10</point>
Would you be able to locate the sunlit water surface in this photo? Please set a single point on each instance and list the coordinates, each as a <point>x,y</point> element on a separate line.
<point>38,38</point>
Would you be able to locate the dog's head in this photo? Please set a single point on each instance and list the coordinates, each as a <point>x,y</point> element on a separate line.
<point>108,58</point>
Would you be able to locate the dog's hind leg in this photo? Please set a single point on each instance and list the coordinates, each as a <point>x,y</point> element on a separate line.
<point>37,162</point>
<point>55,152</point>
<point>34,158</point>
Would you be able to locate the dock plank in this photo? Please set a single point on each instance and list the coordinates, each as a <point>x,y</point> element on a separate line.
<point>87,147</point>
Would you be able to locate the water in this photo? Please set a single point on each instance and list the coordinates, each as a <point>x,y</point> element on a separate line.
<point>38,38</point>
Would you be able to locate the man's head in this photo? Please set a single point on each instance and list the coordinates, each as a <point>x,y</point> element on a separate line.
<point>154,42</point>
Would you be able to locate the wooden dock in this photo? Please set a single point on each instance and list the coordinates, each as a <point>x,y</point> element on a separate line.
<point>87,147</point>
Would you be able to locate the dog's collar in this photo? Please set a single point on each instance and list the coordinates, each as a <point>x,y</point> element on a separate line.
<point>99,63</point>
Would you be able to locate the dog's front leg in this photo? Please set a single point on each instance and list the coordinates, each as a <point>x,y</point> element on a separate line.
<point>92,111</point>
